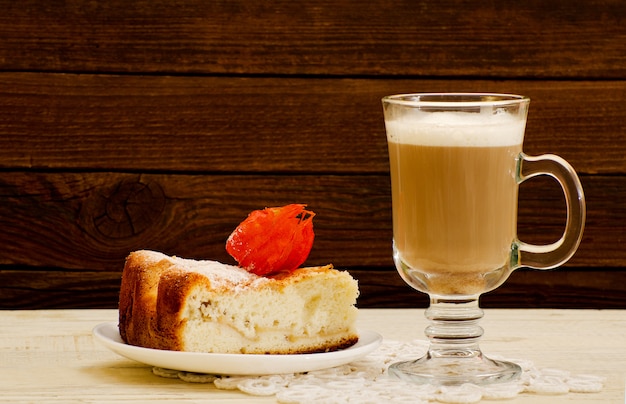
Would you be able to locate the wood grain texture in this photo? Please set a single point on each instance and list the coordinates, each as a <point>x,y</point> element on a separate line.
<point>560,38</point>
<point>590,288</point>
<point>93,220</point>
<point>294,125</point>
<point>128,125</point>
<point>56,348</point>
<point>581,288</point>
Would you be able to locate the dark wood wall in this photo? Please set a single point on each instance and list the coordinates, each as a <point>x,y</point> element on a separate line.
<point>161,124</point>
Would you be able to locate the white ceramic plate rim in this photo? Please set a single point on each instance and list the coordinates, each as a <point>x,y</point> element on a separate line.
<point>235,364</point>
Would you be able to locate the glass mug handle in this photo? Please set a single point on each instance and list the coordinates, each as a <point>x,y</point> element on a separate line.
<point>552,255</point>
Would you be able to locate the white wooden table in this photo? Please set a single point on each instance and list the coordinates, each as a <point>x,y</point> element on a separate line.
<point>50,356</point>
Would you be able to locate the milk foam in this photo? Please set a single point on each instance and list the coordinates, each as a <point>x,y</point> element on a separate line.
<point>456,129</point>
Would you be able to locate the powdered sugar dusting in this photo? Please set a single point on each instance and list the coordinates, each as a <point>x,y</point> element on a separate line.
<point>219,274</point>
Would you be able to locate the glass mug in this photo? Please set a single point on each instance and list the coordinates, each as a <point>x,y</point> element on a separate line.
<point>456,163</point>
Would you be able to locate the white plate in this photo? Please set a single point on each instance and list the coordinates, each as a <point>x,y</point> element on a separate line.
<point>236,364</point>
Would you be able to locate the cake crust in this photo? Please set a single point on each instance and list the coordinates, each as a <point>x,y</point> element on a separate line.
<point>178,304</point>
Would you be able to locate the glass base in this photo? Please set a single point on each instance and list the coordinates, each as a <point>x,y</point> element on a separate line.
<point>451,370</point>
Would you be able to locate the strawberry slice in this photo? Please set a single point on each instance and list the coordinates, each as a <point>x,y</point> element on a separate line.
<point>273,239</point>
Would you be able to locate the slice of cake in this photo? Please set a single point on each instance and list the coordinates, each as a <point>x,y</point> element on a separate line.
<point>206,306</point>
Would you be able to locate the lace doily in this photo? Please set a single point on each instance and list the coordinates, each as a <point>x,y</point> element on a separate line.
<point>366,381</point>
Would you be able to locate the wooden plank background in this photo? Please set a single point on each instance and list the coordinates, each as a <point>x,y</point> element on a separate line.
<point>133,124</point>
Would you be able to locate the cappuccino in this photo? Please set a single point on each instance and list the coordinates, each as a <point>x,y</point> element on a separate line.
<point>454,195</point>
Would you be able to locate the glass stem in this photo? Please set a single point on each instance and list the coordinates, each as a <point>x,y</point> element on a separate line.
<point>454,357</point>
<point>454,331</point>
